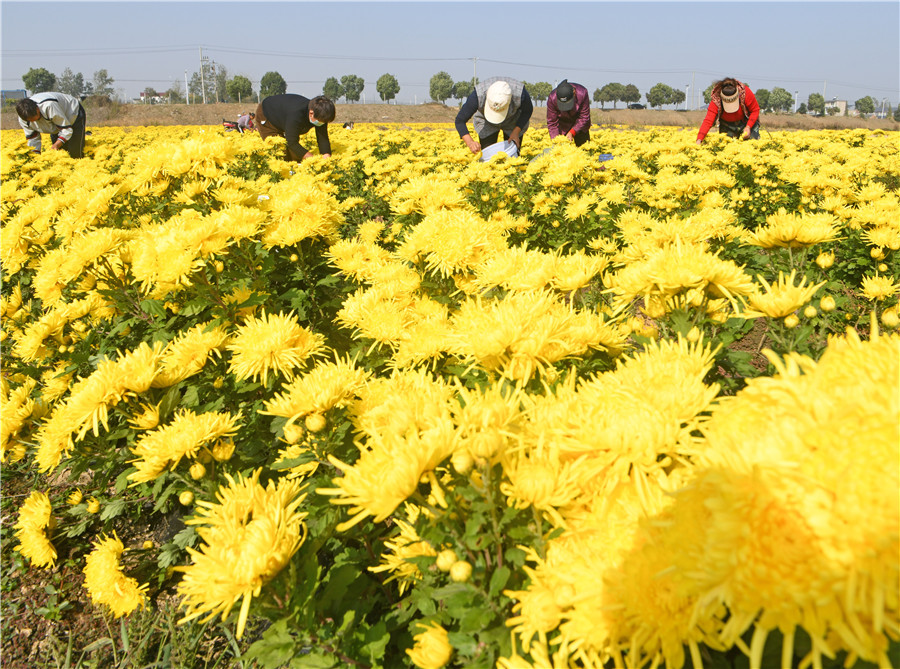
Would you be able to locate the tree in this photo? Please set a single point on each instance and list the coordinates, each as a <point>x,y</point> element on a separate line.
<point>272,83</point>
<point>781,100</point>
<point>462,89</point>
<point>630,94</point>
<point>678,96</point>
<point>612,92</point>
<point>603,95</point>
<point>540,90</point>
<point>39,80</point>
<point>865,105</point>
<point>332,89</point>
<point>353,87</point>
<point>802,108</point>
<point>897,113</point>
<point>70,83</point>
<point>762,98</point>
<point>440,86</point>
<point>103,83</point>
<point>149,93</point>
<point>387,87</point>
<point>239,88</point>
<point>816,103</point>
<point>707,95</point>
<point>220,83</point>
<point>832,111</point>
<point>661,94</point>
<point>175,94</point>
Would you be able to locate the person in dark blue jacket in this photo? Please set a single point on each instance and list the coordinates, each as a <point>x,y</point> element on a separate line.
<point>290,116</point>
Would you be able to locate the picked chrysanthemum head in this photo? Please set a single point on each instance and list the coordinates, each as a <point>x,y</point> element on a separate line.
<point>271,343</point>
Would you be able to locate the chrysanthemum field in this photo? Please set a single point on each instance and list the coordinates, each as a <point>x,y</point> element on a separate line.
<point>404,408</point>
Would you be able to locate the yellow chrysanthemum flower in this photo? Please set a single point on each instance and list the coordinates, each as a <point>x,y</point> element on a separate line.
<point>794,230</point>
<point>35,520</point>
<point>271,343</point>
<point>781,298</point>
<point>105,581</point>
<point>432,649</point>
<point>405,545</point>
<point>182,438</point>
<point>249,534</point>
<point>879,287</point>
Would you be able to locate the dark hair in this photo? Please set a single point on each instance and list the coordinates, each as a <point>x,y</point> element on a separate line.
<point>26,108</point>
<point>724,83</point>
<point>322,108</point>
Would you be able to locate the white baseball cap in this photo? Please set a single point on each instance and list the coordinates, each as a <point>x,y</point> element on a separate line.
<point>496,106</point>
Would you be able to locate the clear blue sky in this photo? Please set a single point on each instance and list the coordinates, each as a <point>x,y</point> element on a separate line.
<point>842,49</point>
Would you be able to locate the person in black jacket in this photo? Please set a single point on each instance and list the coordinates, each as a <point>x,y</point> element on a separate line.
<point>290,116</point>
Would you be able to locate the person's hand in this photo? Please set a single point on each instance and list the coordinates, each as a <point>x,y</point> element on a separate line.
<point>516,139</point>
<point>746,133</point>
<point>308,154</point>
<point>326,155</point>
<point>474,146</point>
<point>57,145</point>
<point>699,142</point>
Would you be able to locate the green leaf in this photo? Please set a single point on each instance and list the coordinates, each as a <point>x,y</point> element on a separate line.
<point>276,648</point>
<point>154,308</point>
<point>313,660</point>
<point>112,509</point>
<point>186,537</point>
<point>498,580</point>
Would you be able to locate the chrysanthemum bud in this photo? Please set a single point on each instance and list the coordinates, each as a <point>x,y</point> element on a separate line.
<point>460,571</point>
<point>877,253</point>
<point>693,334</point>
<point>462,462</point>
<point>93,505</point>
<point>890,319</point>
<point>825,259</point>
<point>446,559</point>
<point>293,433</point>
<point>810,311</point>
<point>791,321</point>
<point>197,471</point>
<point>186,498</point>
<point>74,498</point>
<point>827,304</point>
<point>315,422</point>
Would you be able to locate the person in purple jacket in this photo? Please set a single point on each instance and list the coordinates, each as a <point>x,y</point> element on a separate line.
<point>569,112</point>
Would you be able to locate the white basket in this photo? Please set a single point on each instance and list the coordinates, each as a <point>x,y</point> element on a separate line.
<point>508,147</point>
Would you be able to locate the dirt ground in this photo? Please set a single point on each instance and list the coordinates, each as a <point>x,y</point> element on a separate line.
<point>213,114</point>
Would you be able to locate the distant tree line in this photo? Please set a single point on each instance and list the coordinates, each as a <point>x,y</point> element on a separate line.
<point>213,84</point>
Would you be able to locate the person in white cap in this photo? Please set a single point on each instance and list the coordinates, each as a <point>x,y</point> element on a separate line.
<point>496,104</point>
<point>734,107</point>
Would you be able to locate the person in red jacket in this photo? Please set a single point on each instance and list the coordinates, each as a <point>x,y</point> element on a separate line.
<point>569,112</point>
<point>734,107</point>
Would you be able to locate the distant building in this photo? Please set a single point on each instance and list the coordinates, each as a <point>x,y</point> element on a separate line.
<point>12,95</point>
<point>840,104</point>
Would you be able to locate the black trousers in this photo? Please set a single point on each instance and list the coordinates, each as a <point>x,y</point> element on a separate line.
<point>75,145</point>
<point>736,128</point>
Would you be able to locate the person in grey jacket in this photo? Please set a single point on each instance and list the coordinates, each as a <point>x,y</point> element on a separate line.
<point>59,115</point>
<point>496,104</point>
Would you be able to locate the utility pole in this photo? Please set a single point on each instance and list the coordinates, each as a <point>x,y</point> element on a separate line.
<point>215,75</point>
<point>187,93</point>
<point>687,96</point>
<point>796,100</point>
<point>202,77</point>
<point>693,90</point>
